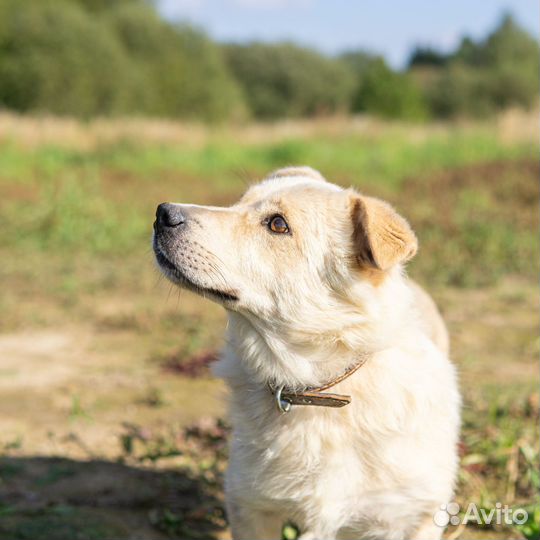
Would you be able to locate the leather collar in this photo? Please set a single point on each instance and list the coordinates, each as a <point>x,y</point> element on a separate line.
<point>315,395</point>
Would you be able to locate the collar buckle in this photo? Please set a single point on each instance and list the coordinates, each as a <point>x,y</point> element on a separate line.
<point>316,396</point>
<point>283,405</point>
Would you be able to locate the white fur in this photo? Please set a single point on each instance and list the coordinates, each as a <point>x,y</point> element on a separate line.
<point>377,468</point>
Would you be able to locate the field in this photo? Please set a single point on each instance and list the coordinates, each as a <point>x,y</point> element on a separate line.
<point>112,425</point>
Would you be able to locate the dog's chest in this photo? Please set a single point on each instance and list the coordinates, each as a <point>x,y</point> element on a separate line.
<point>302,453</point>
<point>303,468</point>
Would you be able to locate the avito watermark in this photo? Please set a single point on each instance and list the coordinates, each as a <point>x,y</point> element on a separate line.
<point>448,514</point>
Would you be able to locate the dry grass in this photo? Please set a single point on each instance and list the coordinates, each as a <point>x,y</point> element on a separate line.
<point>31,132</point>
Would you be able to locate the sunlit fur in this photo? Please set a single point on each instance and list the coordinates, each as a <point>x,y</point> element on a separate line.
<point>377,468</point>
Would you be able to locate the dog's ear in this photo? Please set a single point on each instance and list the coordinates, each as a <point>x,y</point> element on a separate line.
<point>381,237</point>
<point>301,170</point>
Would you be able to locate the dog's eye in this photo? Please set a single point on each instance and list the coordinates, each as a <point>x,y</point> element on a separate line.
<point>278,225</point>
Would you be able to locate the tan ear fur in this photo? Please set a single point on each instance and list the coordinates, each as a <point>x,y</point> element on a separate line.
<point>381,237</point>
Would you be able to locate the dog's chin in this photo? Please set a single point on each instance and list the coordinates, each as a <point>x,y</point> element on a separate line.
<point>178,277</point>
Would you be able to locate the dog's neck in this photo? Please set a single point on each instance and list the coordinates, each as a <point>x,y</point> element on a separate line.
<point>301,355</point>
<point>273,357</point>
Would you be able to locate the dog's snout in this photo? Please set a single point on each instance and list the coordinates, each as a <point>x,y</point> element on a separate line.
<point>170,215</point>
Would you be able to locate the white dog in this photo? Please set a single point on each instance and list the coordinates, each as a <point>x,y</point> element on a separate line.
<point>312,279</point>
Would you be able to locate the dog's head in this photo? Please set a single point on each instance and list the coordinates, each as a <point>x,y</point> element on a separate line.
<point>292,247</point>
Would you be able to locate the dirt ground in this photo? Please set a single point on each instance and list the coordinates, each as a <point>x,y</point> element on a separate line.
<point>82,383</point>
<point>95,427</point>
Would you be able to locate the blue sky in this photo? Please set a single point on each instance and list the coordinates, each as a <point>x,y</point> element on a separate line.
<point>390,27</point>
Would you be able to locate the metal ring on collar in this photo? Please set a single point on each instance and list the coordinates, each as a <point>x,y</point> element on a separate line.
<point>283,405</point>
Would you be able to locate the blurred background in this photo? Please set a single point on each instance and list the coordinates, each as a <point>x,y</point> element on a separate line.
<point>112,426</point>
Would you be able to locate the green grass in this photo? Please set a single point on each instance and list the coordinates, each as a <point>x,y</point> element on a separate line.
<point>500,451</point>
<point>386,157</point>
<point>100,202</point>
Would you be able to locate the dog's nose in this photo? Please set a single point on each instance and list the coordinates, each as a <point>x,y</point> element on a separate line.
<point>169,215</point>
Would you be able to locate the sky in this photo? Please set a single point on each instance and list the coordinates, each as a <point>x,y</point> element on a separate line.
<point>388,27</point>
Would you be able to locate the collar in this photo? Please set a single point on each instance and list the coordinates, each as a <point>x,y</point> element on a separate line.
<point>315,395</point>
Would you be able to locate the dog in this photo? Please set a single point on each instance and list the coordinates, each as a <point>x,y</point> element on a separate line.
<point>345,407</point>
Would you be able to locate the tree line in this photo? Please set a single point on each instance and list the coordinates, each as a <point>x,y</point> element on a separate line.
<point>102,57</point>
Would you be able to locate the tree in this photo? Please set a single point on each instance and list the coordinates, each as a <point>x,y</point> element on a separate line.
<point>359,61</point>
<point>511,58</point>
<point>483,77</point>
<point>287,80</point>
<point>100,6</point>
<point>181,72</point>
<point>59,61</point>
<point>389,94</point>
<point>427,56</point>
<point>95,57</point>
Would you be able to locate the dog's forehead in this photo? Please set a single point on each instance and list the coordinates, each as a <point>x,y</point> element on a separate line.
<point>294,185</point>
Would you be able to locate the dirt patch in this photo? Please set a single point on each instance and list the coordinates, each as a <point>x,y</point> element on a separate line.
<point>194,366</point>
<point>510,188</point>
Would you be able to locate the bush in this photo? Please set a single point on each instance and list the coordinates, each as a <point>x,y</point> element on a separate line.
<point>104,57</point>
<point>427,56</point>
<point>389,94</point>
<point>54,58</point>
<point>59,57</point>
<point>181,72</point>
<point>359,62</point>
<point>459,90</point>
<point>511,58</point>
<point>481,78</point>
<point>284,80</point>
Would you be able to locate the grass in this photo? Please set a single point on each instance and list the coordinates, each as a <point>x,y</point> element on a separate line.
<point>100,202</point>
<point>103,363</point>
<point>500,453</point>
<point>384,157</point>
